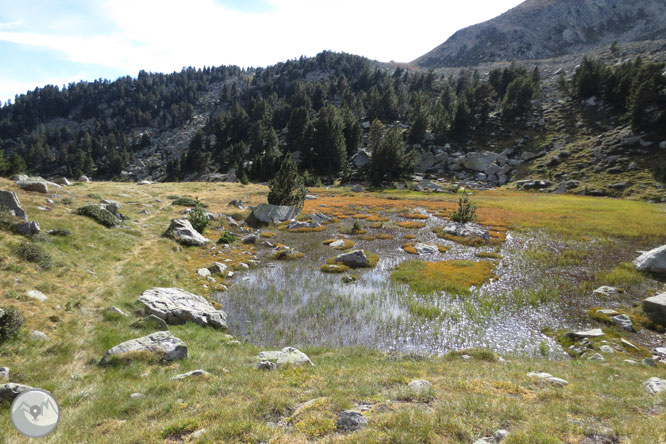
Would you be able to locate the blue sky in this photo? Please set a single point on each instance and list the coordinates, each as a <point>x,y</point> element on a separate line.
<point>58,42</point>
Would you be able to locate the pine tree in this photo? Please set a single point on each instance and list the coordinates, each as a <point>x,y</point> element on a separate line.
<point>390,160</point>
<point>287,187</point>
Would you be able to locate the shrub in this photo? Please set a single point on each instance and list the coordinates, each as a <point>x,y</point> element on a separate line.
<point>466,211</point>
<point>198,219</point>
<point>67,200</point>
<point>11,321</point>
<point>33,253</point>
<point>7,220</point>
<point>189,202</point>
<point>227,238</point>
<point>99,215</point>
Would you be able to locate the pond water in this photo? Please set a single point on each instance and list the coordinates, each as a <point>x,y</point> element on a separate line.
<point>294,303</point>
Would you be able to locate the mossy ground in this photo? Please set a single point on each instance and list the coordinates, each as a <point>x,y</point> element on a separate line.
<point>454,277</point>
<point>95,268</point>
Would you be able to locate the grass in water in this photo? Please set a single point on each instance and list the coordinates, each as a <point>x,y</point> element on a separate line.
<point>454,277</point>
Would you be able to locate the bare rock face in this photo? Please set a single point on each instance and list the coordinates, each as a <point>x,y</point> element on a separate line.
<point>540,29</point>
<point>163,344</point>
<point>272,214</point>
<point>176,306</point>
<point>184,233</point>
<point>8,199</point>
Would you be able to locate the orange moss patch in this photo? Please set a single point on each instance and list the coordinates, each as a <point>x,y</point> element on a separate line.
<point>287,254</point>
<point>377,218</point>
<point>411,224</point>
<point>307,229</point>
<point>442,248</point>
<point>360,216</point>
<point>368,238</point>
<point>409,236</point>
<point>409,248</point>
<point>384,236</point>
<point>415,216</point>
<point>334,268</point>
<point>268,234</point>
<point>376,225</point>
<point>488,255</point>
<point>453,277</point>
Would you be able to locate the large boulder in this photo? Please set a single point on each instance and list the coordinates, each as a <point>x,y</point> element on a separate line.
<point>272,214</point>
<point>479,160</point>
<point>62,181</point>
<point>361,159</point>
<point>655,308</point>
<point>286,356</point>
<point>653,261</point>
<point>38,186</point>
<point>9,200</point>
<point>176,306</point>
<point>182,231</point>
<point>163,344</point>
<point>466,230</point>
<point>353,259</point>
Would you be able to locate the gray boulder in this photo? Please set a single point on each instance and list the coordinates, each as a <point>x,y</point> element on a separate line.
<point>653,261</point>
<point>218,268</point>
<point>38,186</point>
<point>295,225</point>
<point>37,295</point>
<point>605,292</point>
<point>655,385</point>
<point>320,218</point>
<point>655,308</point>
<point>273,214</point>
<point>250,239</point>
<point>286,356</point>
<point>9,200</point>
<point>62,181</point>
<point>623,321</point>
<point>349,420</point>
<point>357,189</point>
<point>151,322</point>
<point>422,248</point>
<point>84,179</point>
<point>533,184</point>
<point>479,160</point>
<point>466,230</point>
<point>28,228</point>
<point>9,391</point>
<point>361,159</point>
<point>181,230</point>
<point>163,344</point>
<point>593,333</point>
<point>353,259</point>
<point>4,372</point>
<point>190,374</point>
<point>176,306</point>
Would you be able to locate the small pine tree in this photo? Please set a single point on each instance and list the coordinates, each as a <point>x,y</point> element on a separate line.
<point>287,187</point>
<point>198,218</point>
<point>466,211</point>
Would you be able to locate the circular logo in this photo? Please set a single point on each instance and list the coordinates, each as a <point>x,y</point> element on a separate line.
<point>35,413</point>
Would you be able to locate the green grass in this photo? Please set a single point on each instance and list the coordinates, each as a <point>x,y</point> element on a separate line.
<point>454,277</point>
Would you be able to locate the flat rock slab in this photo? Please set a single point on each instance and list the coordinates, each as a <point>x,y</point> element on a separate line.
<point>37,295</point>
<point>182,231</point>
<point>286,356</point>
<point>606,291</point>
<point>653,261</point>
<point>177,306</point>
<point>8,392</point>
<point>466,230</point>
<point>655,308</point>
<point>163,343</point>
<point>593,333</point>
<point>559,382</point>
<point>33,185</point>
<point>10,200</point>
<point>655,385</point>
<point>273,214</point>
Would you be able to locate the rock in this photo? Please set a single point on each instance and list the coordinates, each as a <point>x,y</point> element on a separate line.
<point>353,259</point>
<point>320,218</point>
<point>84,179</point>
<point>479,161</point>
<point>466,230</point>
<point>655,385</point>
<point>38,186</point>
<point>349,279</point>
<point>4,372</point>
<point>606,349</point>
<point>607,312</point>
<point>420,386</point>
<point>593,333</point>
<point>357,189</point>
<point>151,322</point>
<point>37,295</point>
<point>311,197</point>
<point>176,306</point>
<point>628,344</point>
<point>199,433</point>
<point>62,181</point>
<point>146,211</point>
<point>532,184</point>
<point>605,292</point>
<point>649,362</point>
<point>136,395</point>
<point>349,420</point>
<point>203,272</point>
<point>163,344</point>
<point>427,161</point>
<point>116,310</point>
<point>28,228</point>
<point>272,214</point>
<point>559,382</point>
<point>361,159</point>
<point>190,374</point>
<point>9,391</point>
<point>8,199</point>
<point>596,357</point>
<point>218,268</point>
<point>655,308</point>
<point>422,248</point>
<point>182,231</point>
<point>286,356</point>
<point>39,335</point>
<point>295,225</point>
<point>266,365</point>
<point>623,321</point>
<point>501,434</point>
<point>429,185</point>
<point>485,440</point>
<point>337,244</point>
<point>237,203</point>
<point>653,261</point>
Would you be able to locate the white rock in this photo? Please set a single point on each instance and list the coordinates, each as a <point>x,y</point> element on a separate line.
<point>176,306</point>
<point>420,386</point>
<point>655,385</point>
<point>37,295</point>
<point>286,356</point>
<point>36,334</point>
<point>190,374</point>
<point>203,272</point>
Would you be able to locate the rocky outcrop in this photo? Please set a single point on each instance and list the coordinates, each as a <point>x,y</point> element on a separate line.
<point>540,29</point>
<point>653,261</point>
<point>182,231</point>
<point>655,308</point>
<point>164,345</point>
<point>10,200</point>
<point>176,306</point>
<point>271,214</point>
<point>350,420</point>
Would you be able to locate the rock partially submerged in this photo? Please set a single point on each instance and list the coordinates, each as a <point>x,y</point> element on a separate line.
<point>466,230</point>
<point>653,261</point>
<point>182,231</point>
<point>286,356</point>
<point>163,345</point>
<point>353,259</point>
<point>176,306</point>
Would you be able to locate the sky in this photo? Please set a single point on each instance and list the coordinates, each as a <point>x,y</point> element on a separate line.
<point>58,42</point>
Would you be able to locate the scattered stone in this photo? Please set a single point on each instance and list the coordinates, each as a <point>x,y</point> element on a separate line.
<point>606,349</point>
<point>559,382</point>
<point>217,268</point>
<point>272,214</point>
<point>466,230</point>
<point>653,261</point>
<point>349,279</point>
<point>190,374</point>
<point>320,218</point>
<point>9,391</point>
<point>465,357</point>
<point>199,433</point>
<point>136,395</point>
<point>357,189</point>
<point>163,344</point>
<point>420,386</point>
<point>38,186</point>
<point>84,179</point>
<point>10,200</point>
<point>39,335</point>
<point>182,231</point>
<point>37,295</point>
<point>628,344</point>
<point>286,356</point>
<point>623,321</point>
<point>117,310</point>
<point>501,434</point>
<point>337,244</point>
<point>295,225</point>
<point>353,259</point>
<point>655,385</point>
<point>250,240</point>
<point>311,197</point>
<point>649,362</point>
<point>237,203</point>
<point>630,361</point>
<point>266,365</point>
<point>596,357</point>
<point>606,292</point>
<point>593,333</point>
<point>349,420</point>
<point>28,228</point>
<point>607,312</point>
<point>176,306</point>
<point>533,184</point>
<point>203,272</point>
<point>422,248</point>
<point>655,308</point>
<point>4,372</point>
<point>151,322</point>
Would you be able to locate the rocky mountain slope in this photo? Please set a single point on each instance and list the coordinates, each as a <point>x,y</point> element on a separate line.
<point>539,29</point>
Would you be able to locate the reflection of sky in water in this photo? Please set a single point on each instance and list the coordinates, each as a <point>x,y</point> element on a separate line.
<point>293,303</point>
